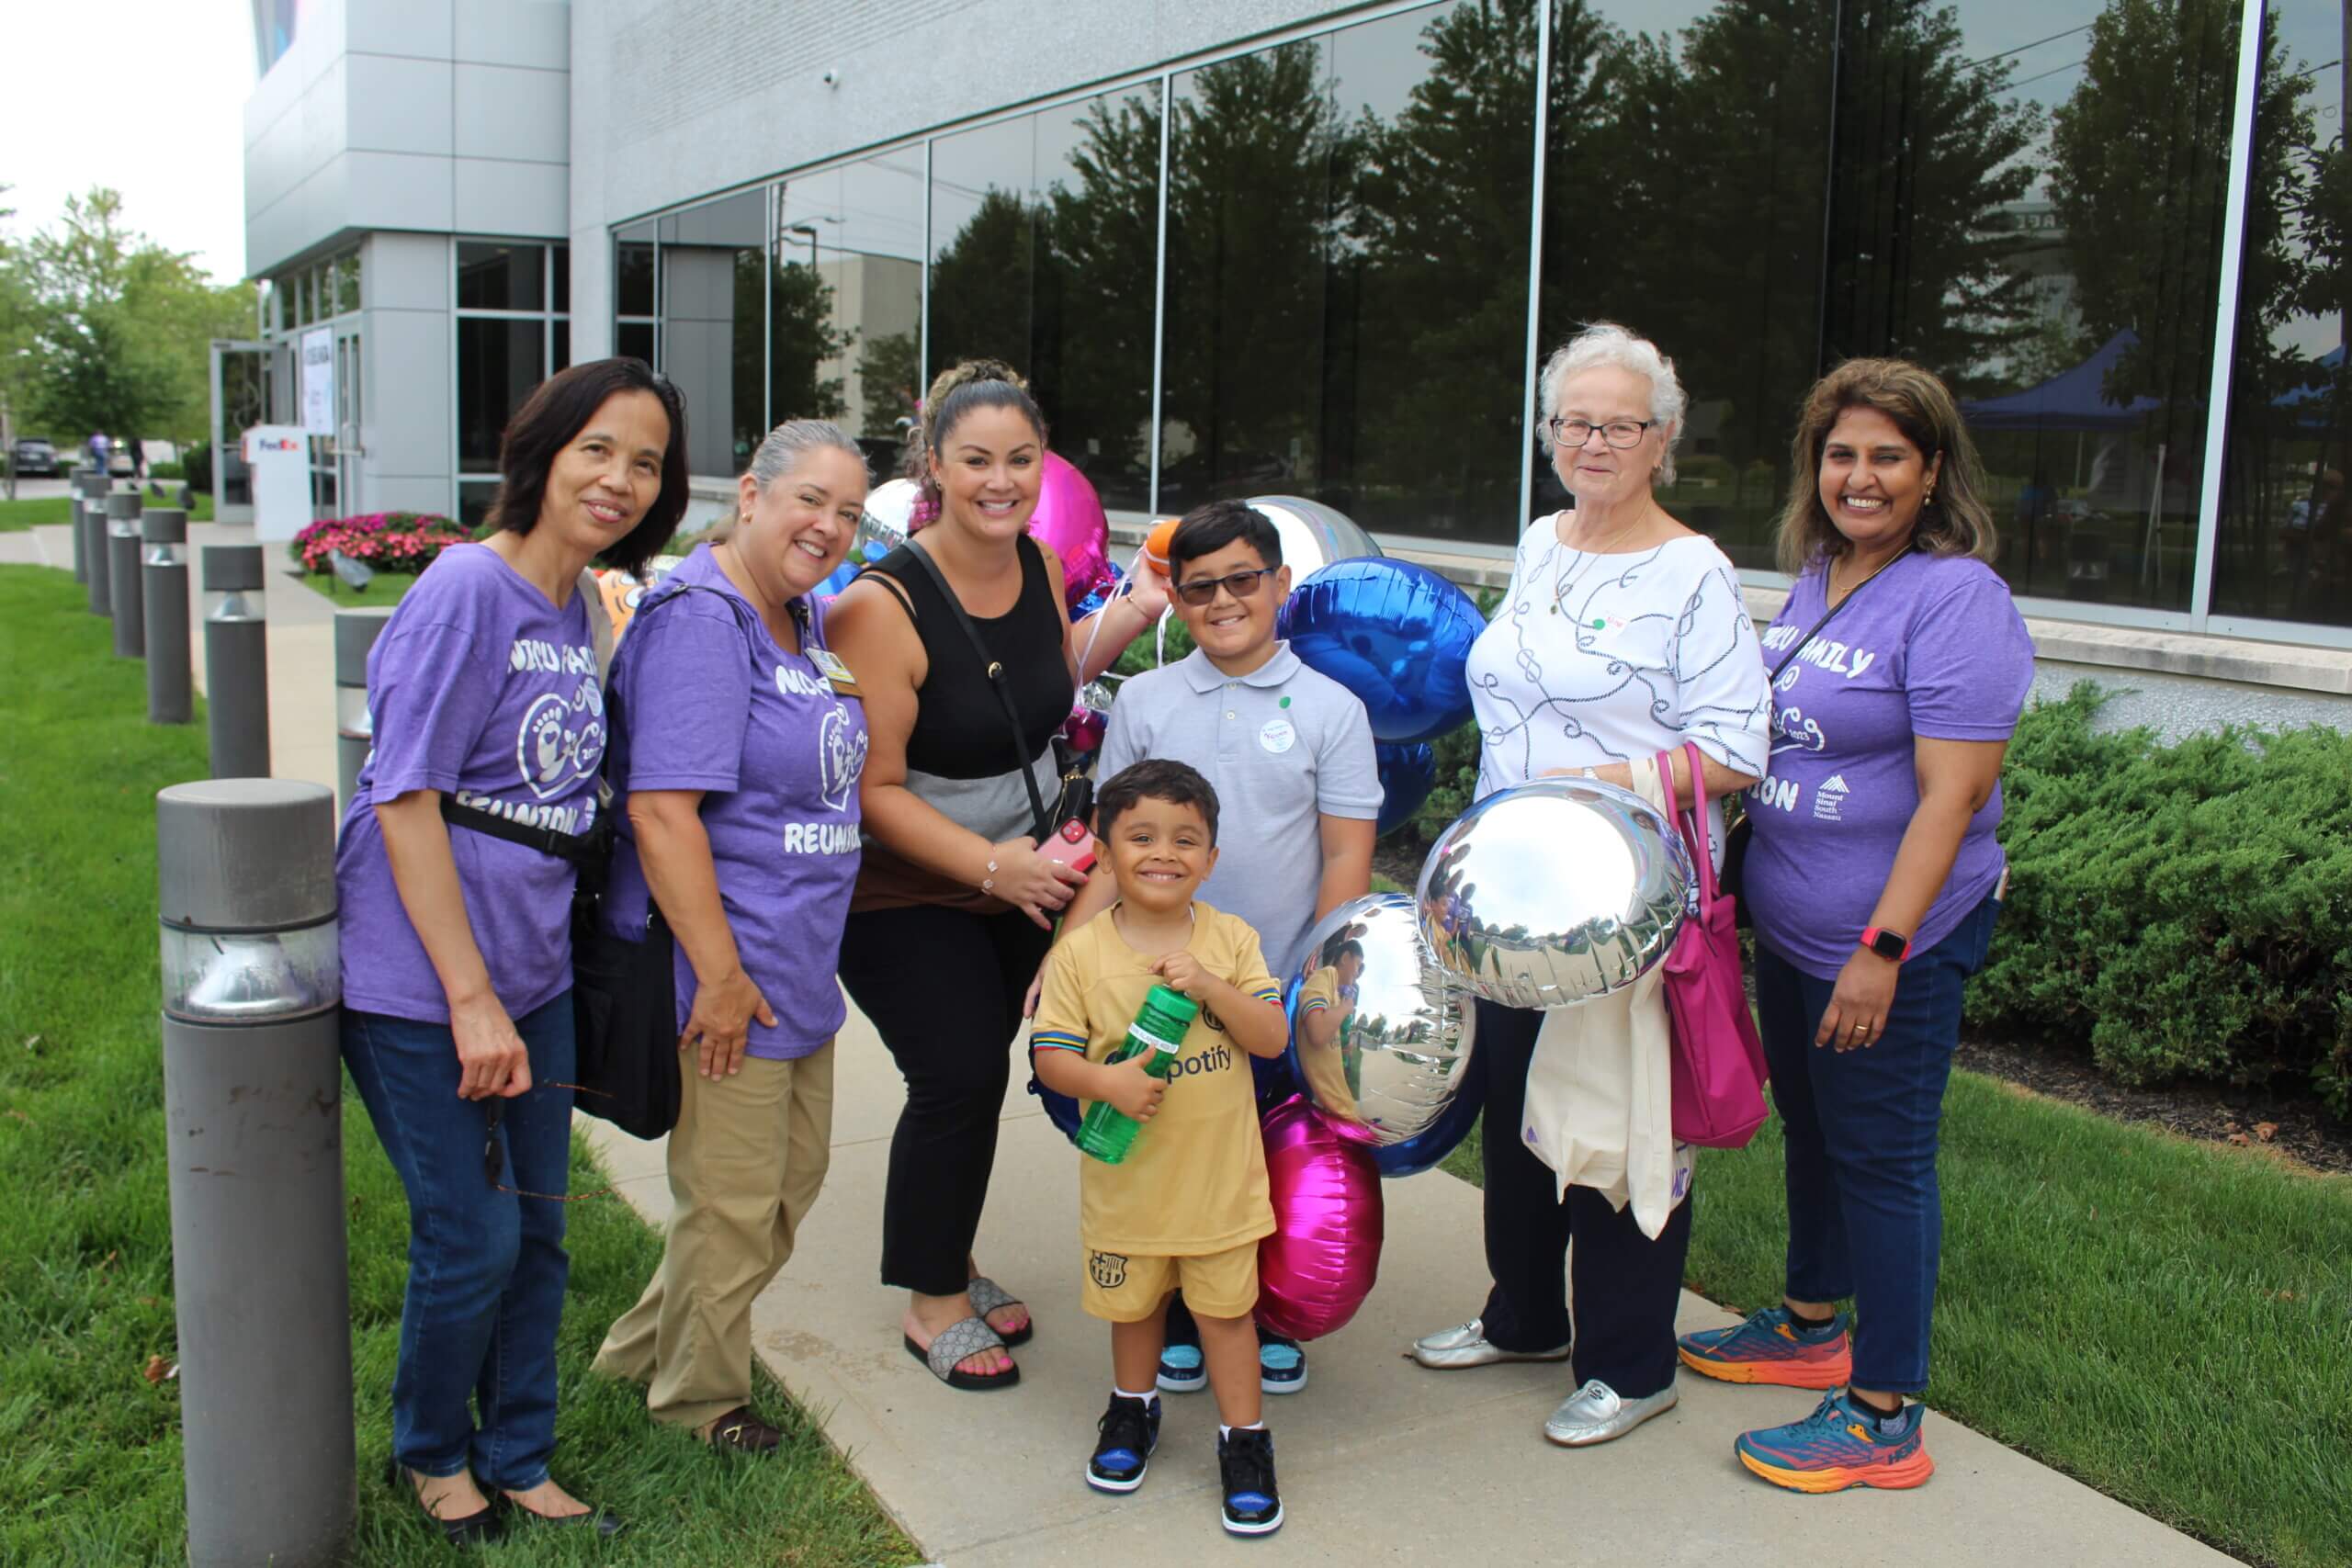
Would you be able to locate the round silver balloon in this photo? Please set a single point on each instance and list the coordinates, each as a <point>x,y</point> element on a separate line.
<point>1313,534</point>
<point>1555,892</point>
<point>1380,1035</point>
<point>889,506</point>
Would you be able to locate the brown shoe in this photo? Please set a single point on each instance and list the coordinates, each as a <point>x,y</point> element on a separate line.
<point>739,1431</point>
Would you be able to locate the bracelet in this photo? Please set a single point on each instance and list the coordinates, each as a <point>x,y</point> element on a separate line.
<point>988,883</point>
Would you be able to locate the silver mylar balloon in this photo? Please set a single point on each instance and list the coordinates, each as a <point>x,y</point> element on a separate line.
<point>1380,1035</point>
<point>1555,892</point>
<point>1313,534</point>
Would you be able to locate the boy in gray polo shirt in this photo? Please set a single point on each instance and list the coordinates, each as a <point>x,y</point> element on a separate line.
<point>1289,753</point>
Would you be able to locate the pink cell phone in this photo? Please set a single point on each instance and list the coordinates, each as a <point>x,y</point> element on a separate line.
<point>1073,846</point>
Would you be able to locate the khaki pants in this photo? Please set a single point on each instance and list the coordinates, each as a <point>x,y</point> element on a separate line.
<point>746,1160</point>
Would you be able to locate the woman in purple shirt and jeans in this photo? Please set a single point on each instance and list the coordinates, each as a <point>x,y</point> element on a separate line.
<point>1874,880</point>
<point>457,944</point>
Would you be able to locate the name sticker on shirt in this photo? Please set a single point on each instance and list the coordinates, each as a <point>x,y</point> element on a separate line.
<point>1277,736</point>
<point>829,664</point>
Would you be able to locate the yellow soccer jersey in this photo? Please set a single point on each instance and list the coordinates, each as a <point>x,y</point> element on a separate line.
<point>1323,1051</point>
<point>1195,1181</point>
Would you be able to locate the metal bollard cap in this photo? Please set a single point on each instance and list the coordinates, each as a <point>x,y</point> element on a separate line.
<point>245,854</point>
<point>164,525</point>
<point>355,632</point>
<point>231,568</point>
<point>124,503</point>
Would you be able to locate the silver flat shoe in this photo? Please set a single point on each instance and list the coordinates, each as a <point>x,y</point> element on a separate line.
<point>1594,1414</point>
<point>1466,1345</point>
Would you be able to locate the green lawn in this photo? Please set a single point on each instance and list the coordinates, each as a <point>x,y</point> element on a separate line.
<point>385,589</point>
<point>89,1450</point>
<point>26,512</point>
<point>2167,1321</point>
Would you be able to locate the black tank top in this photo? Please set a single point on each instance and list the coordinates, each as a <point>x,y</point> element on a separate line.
<point>959,729</point>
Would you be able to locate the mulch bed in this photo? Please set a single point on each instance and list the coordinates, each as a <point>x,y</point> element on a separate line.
<point>2298,1128</point>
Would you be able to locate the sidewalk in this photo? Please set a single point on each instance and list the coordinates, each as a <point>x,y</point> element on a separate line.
<point>1381,1460</point>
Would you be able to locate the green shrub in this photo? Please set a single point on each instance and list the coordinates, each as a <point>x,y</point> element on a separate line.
<point>196,461</point>
<point>167,470</point>
<point>2186,908</point>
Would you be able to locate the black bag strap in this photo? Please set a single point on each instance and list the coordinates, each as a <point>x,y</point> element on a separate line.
<point>1804,642</point>
<point>995,670</point>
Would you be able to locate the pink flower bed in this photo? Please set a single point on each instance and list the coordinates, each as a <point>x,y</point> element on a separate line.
<point>388,541</point>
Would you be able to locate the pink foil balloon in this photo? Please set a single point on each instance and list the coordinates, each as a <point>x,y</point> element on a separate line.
<point>1320,1262</point>
<point>1069,519</point>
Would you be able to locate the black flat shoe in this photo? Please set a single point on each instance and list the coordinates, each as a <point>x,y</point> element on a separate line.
<point>478,1528</point>
<point>605,1524</point>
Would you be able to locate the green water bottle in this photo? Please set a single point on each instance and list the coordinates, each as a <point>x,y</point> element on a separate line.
<point>1109,1133</point>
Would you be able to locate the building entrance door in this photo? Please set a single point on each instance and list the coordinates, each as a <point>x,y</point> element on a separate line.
<point>349,444</point>
<point>243,374</point>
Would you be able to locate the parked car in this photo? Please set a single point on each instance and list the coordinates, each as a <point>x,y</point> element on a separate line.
<point>34,455</point>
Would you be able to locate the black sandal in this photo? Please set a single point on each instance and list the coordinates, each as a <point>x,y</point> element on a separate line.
<point>478,1528</point>
<point>987,1296</point>
<point>606,1525</point>
<point>964,1337</point>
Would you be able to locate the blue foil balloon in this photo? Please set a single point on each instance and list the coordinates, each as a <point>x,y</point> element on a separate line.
<point>1396,634</point>
<point>1407,774</point>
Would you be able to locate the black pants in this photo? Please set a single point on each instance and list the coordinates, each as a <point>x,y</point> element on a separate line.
<point>1627,1286</point>
<point>945,988</point>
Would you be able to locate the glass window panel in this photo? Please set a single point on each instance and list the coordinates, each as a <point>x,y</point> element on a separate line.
<point>560,262</point>
<point>1347,278</point>
<point>634,340</point>
<point>2029,201</point>
<point>713,302</point>
<point>847,295</point>
<point>298,291</point>
<point>498,363</point>
<point>2284,546</point>
<point>633,271</point>
<point>500,278</point>
<point>1047,228</point>
<point>346,274</point>
<point>561,357</point>
<point>474,497</point>
<point>1683,198</point>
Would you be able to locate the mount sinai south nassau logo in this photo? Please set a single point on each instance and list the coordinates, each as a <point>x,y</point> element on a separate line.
<point>1829,797</point>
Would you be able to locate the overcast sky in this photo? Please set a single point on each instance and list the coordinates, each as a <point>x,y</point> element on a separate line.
<point>173,76</point>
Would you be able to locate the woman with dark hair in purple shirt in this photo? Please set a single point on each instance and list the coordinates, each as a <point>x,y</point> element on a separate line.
<point>457,944</point>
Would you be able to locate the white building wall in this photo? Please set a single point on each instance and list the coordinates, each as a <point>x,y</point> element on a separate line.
<point>408,391</point>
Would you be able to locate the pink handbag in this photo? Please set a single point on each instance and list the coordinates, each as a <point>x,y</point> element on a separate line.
<point>1718,1061</point>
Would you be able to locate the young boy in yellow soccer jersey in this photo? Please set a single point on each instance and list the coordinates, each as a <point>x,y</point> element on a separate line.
<point>1188,1206</point>
<point>1326,1002</point>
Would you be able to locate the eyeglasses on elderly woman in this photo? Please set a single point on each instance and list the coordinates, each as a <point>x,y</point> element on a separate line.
<point>1617,433</point>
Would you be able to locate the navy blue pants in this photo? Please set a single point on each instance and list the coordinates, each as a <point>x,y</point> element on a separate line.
<point>1860,1129</point>
<point>1627,1286</point>
<point>486,1267</point>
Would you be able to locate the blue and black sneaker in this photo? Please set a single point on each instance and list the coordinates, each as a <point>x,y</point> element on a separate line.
<point>1181,1369</point>
<point>1282,1365</point>
<point>1245,1462</point>
<point>1130,1430</point>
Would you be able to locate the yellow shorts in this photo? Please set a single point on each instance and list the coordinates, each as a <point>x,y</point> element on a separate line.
<point>1122,1289</point>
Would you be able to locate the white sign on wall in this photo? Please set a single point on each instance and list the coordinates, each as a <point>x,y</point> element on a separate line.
<point>318,381</point>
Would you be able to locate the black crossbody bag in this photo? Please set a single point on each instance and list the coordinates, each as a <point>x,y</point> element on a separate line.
<point>1076,801</point>
<point>1735,839</point>
<point>624,988</point>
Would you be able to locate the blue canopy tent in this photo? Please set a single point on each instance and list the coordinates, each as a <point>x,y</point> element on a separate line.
<point>2072,399</point>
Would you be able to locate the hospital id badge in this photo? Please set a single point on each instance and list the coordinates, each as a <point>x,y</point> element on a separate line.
<point>829,666</point>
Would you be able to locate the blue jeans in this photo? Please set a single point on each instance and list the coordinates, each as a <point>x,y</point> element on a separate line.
<point>486,1269</point>
<point>1860,1129</point>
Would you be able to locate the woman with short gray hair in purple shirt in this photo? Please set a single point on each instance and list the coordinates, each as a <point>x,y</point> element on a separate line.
<point>739,744</point>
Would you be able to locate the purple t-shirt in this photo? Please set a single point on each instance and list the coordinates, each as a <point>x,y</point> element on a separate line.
<point>1932,648</point>
<point>480,688</point>
<point>708,701</point>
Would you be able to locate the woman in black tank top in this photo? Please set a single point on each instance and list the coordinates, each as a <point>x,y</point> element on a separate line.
<point>955,906</point>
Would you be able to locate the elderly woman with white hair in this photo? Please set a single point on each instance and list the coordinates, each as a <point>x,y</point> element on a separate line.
<point>1622,636</point>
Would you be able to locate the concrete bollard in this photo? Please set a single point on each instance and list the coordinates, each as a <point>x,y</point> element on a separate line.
<point>253,1107</point>
<point>171,688</point>
<point>94,545</point>
<point>236,661</point>
<point>354,633</point>
<point>123,509</point>
<point>73,518</point>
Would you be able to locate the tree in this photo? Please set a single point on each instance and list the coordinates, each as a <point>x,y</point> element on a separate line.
<point>123,327</point>
<point>19,314</point>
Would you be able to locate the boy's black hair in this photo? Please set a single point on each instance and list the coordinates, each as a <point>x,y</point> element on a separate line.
<point>1208,528</point>
<point>1155,778</point>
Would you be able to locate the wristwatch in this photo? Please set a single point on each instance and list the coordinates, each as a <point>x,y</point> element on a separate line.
<point>1891,945</point>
